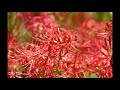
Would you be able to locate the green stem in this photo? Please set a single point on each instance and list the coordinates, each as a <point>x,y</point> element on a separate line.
<point>43,72</point>
<point>57,65</point>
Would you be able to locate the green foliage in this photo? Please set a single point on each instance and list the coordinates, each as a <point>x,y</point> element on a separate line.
<point>13,67</point>
<point>20,67</point>
<point>16,27</point>
<point>103,16</point>
<point>93,75</point>
<point>89,74</point>
<point>62,19</point>
<point>43,72</point>
<point>69,20</point>
<point>11,20</point>
<point>24,36</point>
<point>81,77</point>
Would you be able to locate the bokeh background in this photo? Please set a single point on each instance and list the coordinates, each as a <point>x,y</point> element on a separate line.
<point>69,20</point>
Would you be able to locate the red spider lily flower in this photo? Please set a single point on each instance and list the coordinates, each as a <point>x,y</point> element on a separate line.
<point>56,52</point>
<point>11,74</point>
<point>24,15</point>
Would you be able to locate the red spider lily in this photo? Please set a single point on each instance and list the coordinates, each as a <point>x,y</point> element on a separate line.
<point>24,15</point>
<point>61,53</point>
<point>11,74</point>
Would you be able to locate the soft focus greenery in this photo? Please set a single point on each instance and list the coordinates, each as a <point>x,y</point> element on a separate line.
<point>103,16</point>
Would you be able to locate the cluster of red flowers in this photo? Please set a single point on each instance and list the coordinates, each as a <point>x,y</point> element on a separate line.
<point>56,52</point>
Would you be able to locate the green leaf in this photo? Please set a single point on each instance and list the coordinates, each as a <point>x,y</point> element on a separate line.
<point>69,20</point>
<point>11,20</point>
<point>20,67</point>
<point>98,16</point>
<point>8,62</point>
<point>111,14</point>
<point>93,76</point>
<point>81,77</point>
<point>106,17</point>
<point>13,67</point>
<point>60,72</point>
<point>54,73</point>
<point>87,73</point>
<point>43,72</point>
<point>103,16</point>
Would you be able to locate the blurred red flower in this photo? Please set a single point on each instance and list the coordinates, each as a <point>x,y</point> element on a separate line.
<point>59,52</point>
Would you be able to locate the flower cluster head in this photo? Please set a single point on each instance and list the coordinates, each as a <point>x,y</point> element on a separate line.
<point>56,52</point>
